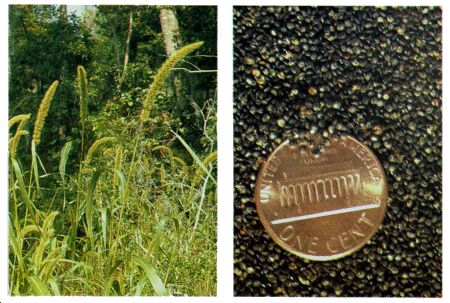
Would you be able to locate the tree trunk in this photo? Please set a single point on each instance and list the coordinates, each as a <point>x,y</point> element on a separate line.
<point>63,12</point>
<point>127,50</point>
<point>172,39</point>
<point>170,30</point>
<point>63,19</point>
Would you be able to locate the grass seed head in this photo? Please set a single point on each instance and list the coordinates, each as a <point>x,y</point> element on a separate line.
<point>162,74</point>
<point>15,142</point>
<point>19,118</point>
<point>82,86</point>
<point>43,111</point>
<point>96,145</point>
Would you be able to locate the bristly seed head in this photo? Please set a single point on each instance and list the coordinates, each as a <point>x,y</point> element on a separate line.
<point>82,86</point>
<point>43,111</point>
<point>96,145</point>
<point>161,75</point>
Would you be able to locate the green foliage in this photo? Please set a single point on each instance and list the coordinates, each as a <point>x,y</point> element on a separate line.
<point>202,87</point>
<point>44,45</point>
<point>146,55</point>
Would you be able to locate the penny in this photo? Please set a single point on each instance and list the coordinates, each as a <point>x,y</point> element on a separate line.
<point>321,207</point>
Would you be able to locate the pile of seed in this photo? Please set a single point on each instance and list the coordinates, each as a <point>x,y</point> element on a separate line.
<point>372,73</point>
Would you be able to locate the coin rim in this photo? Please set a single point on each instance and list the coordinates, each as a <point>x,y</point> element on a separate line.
<point>281,243</point>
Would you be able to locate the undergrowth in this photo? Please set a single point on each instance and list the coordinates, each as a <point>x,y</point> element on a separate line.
<point>134,219</point>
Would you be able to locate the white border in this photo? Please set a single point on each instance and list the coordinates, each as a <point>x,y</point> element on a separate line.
<point>225,150</point>
<point>4,154</point>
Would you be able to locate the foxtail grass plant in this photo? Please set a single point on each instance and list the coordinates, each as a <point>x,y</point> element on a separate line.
<point>43,111</point>
<point>44,107</point>
<point>83,92</point>
<point>134,219</point>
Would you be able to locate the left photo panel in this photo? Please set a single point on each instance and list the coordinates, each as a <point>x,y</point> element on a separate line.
<point>112,150</point>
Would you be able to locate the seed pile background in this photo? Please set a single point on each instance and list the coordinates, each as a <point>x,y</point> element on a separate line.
<point>373,73</point>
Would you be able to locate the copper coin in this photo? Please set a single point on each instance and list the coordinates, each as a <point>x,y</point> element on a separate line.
<point>322,207</point>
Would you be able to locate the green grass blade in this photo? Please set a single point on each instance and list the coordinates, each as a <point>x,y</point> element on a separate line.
<point>108,286</point>
<point>54,286</point>
<point>41,164</point>
<point>139,287</point>
<point>62,167</point>
<point>106,219</point>
<point>44,242</point>
<point>64,245</point>
<point>153,277</point>
<point>90,206</point>
<point>199,172</point>
<point>64,157</point>
<point>195,157</point>
<point>22,190</point>
<point>38,287</point>
<point>35,166</point>
<point>122,181</point>
<point>155,245</point>
<point>16,246</point>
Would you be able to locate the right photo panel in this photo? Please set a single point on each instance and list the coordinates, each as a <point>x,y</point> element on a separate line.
<point>337,151</point>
